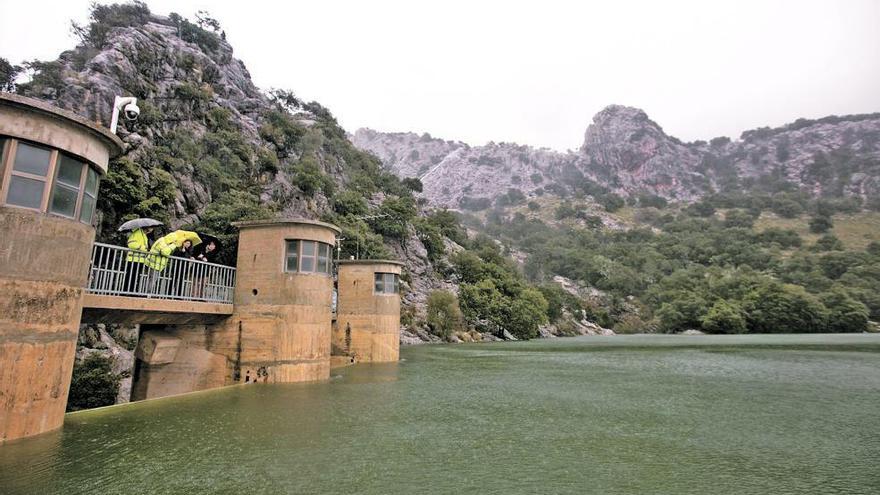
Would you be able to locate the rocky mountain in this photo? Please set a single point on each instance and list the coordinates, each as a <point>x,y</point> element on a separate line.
<point>211,148</point>
<point>626,153</point>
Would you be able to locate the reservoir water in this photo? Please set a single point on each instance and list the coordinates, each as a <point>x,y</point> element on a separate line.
<point>780,414</point>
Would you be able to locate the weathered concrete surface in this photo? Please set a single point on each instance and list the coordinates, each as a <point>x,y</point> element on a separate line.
<point>280,328</point>
<point>141,310</point>
<point>175,360</point>
<point>367,323</point>
<point>43,266</point>
<point>40,122</point>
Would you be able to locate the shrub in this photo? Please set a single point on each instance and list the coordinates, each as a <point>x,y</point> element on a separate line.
<point>845,313</point>
<point>611,202</point>
<point>350,203</point>
<point>724,317</point>
<point>444,317</point>
<point>93,383</point>
<point>820,224</point>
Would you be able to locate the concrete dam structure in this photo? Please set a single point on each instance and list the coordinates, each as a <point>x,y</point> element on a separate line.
<point>271,319</point>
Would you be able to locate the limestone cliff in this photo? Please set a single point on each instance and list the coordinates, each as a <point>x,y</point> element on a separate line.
<point>627,153</point>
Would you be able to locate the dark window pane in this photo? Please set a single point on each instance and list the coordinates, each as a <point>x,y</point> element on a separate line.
<point>292,256</point>
<point>63,201</point>
<point>291,263</point>
<point>31,159</point>
<point>69,171</point>
<point>396,288</point>
<point>25,192</point>
<point>308,248</point>
<point>307,264</point>
<point>380,286</point>
<point>323,265</point>
<point>88,207</point>
<point>92,182</point>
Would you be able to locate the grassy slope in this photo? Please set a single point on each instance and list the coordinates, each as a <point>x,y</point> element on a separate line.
<point>856,230</point>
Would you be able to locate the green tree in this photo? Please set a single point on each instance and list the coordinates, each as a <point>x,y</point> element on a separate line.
<point>845,313</point>
<point>820,224</point>
<point>779,308</point>
<point>350,203</point>
<point>444,317</point>
<point>724,317</point>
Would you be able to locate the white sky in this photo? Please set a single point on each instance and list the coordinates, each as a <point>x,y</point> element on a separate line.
<point>533,73</point>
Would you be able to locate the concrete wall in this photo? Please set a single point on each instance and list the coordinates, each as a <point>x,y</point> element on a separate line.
<point>280,327</point>
<point>175,360</point>
<point>279,330</point>
<point>371,319</point>
<point>44,264</point>
<point>40,122</point>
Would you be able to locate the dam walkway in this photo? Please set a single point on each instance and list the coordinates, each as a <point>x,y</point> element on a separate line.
<point>133,287</point>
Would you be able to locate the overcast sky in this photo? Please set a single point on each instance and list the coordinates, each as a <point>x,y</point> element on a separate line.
<point>532,72</point>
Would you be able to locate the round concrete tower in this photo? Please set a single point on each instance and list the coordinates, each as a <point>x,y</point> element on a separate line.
<point>368,310</point>
<point>51,161</point>
<point>280,328</point>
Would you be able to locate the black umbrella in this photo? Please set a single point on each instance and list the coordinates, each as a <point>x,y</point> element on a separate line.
<point>208,238</point>
<point>139,223</point>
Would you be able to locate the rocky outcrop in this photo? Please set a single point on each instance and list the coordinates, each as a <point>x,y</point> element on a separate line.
<point>627,153</point>
<point>116,342</point>
<point>456,175</point>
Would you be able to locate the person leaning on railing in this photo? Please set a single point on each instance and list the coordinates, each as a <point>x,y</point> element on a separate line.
<point>138,240</point>
<point>207,252</point>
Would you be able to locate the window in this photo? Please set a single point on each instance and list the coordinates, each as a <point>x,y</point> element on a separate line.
<point>386,283</point>
<point>323,258</point>
<point>27,180</point>
<point>292,256</point>
<point>65,192</point>
<point>90,197</point>
<point>43,179</point>
<point>308,257</point>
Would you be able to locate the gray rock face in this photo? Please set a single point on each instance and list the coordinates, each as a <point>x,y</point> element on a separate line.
<point>625,152</point>
<point>622,143</point>
<point>454,173</point>
<point>116,342</point>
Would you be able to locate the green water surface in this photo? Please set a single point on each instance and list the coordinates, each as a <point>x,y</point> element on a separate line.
<point>628,414</point>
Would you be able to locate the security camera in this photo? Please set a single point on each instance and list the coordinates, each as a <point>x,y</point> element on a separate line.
<point>128,106</point>
<point>131,111</point>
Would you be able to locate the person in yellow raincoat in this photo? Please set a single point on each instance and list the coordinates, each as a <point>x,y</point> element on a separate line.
<point>163,247</point>
<point>137,241</point>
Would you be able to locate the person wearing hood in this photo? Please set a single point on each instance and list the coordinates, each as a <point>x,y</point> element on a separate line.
<point>164,246</point>
<point>138,240</point>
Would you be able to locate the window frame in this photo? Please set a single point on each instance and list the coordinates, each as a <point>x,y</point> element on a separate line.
<point>50,180</point>
<point>315,257</point>
<point>9,172</point>
<point>80,189</point>
<point>382,279</point>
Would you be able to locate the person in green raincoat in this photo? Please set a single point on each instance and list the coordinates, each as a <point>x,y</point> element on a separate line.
<point>161,250</point>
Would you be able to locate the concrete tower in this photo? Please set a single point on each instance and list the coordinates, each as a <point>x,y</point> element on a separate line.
<point>368,310</point>
<point>280,328</point>
<point>50,167</point>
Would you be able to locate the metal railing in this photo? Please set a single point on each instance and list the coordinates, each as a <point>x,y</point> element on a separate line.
<point>120,271</point>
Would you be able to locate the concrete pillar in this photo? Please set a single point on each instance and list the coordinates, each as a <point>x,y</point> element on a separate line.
<point>368,312</point>
<point>44,257</point>
<point>280,327</point>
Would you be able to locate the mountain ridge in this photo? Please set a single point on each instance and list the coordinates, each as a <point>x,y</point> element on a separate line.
<point>625,152</point>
